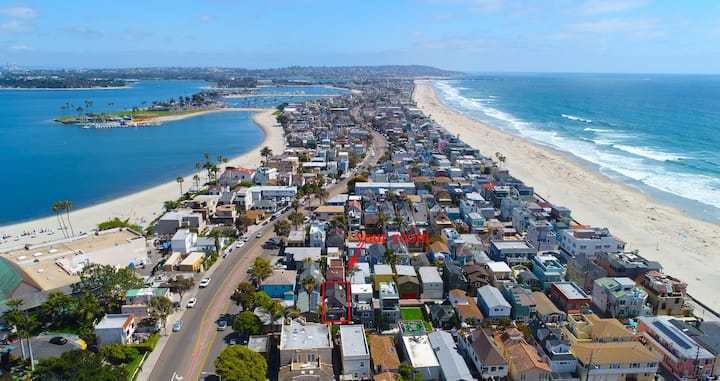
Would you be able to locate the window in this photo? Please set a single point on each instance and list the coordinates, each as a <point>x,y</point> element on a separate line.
<point>634,365</point>
<point>311,357</point>
<point>614,366</point>
<point>492,368</point>
<point>522,377</point>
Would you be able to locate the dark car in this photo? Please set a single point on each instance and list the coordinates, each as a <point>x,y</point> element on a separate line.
<point>58,340</point>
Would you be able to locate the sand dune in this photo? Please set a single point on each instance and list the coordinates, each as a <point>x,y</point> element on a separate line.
<point>685,246</point>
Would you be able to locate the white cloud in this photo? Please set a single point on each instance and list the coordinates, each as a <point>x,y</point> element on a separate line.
<point>601,7</point>
<point>24,13</point>
<point>14,26</point>
<point>82,32</point>
<point>206,18</point>
<point>20,47</point>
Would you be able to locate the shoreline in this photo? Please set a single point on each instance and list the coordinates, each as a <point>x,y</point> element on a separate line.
<point>144,206</point>
<point>682,244</point>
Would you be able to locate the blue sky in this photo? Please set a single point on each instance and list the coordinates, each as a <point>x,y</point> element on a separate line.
<point>661,36</point>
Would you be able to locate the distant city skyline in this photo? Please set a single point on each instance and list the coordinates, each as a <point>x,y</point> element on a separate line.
<point>612,36</point>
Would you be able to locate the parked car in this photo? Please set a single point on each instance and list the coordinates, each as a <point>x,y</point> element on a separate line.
<point>222,324</point>
<point>191,302</point>
<point>239,244</point>
<point>58,340</point>
<point>204,282</point>
<point>178,326</point>
<point>259,234</point>
<point>247,238</point>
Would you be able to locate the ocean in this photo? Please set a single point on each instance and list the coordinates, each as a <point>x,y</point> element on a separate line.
<point>656,133</point>
<point>46,161</point>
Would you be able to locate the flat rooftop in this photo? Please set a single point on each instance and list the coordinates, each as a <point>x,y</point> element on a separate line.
<point>56,264</point>
<point>571,290</point>
<point>420,352</point>
<point>353,340</point>
<point>299,335</point>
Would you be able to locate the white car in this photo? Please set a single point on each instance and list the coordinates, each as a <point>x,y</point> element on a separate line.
<point>204,282</point>
<point>259,234</point>
<point>191,302</point>
<point>247,238</point>
<point>239,244</point>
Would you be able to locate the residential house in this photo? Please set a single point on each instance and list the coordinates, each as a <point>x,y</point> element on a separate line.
<point>541,235</point>
<point>569,297</point>
<point>548,270</point>
<point>587,328</point>
<point>478,276</point>
<point>354,353</point>
<point>590,241</point>
<point>666,295</point>
<point>705,333</point>
<point>115,329</point>
<point>144,295</point>
<point>316,235</point>
<point>336,303</point>
<point>183,241</point>
<point>630,265</point>
<point>417,350</point>
<point>362,304</point>
<point>492,304</point>
<point>483,352</point>
<point>500,273</point>
<point>442,316</point>
<point>407,282</point>
<point>524,362</point>
<point>583,271</point>
<point>170,222</point>
<point>335,271</point>
<point>383,273</point>
<point>383,355</point>
<point>545,309</point>
<point>521,301</point>
<point>305,347</point>
<point>439,251</point>
<point>389,304</point>
<point>327,212</point>
<point>511,252</point>
<point>622,361</point>
<point>431,283</point>
<point>280,284</point>
<point>468,313</point>
<point>452,365</point>
<point>454,277</point>
<point>679,354</point>
<point>619,298</point>
<point>555,350</point>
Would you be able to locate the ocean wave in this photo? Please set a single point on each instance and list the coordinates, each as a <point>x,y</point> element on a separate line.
<point>649,153</point>
<point>576,118</point>
<point>596,129</point>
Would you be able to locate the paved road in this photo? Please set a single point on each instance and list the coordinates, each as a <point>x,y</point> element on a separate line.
<point>193,350</point>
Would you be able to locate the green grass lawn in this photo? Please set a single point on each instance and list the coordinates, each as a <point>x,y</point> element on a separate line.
<point>415,314</point>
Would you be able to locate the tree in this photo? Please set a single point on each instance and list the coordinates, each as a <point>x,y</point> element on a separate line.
<point>105,282</point>
<point>406,370</point>
<point>57,303</point>
<point>357,179</point>
<point>196,180</point>
<point>57,208</point>
<point>296,218</point>
<point>266,152</point>
<point>180,180</point>
<point>180,284</point>
<point>118,354</point>
<point>245,295</point>
<point>282,229</point>
<point>78,365</point>
<point>161,309</point>
<point>275,309</point>
<point>237,363</point>
<point>67,206</point>
<point>170,205</point>
<point>261,270</point>
<point>248,323</point>
<point>321,193</point>
<point>309,283</point>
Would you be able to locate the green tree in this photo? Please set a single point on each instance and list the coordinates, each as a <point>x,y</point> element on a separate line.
<point>57,303</point>
<point>68,206</point>
<point>406,370</point>
<point>196,180</point>
<point>78,365</point>
<point>118,354</point>
<point>57,208</point>
<point>106,282</point>
<point>266,152</point>
<point>282,229</point>
<point>261,270</point>
<point>180,180</point>
<point>248,323</point>
<point>245,295</point>
<point>309,283</point>
<point>296,218</point>
<point>237,363</point>
<point>357,179</point>
<point>160,309</point>
<point>170,205</point>
<point>180,284</point>
<point>321,193</point>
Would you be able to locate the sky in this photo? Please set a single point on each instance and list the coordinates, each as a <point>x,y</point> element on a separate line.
<point>601,36</point>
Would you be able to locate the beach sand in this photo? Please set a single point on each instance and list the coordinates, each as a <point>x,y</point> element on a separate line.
<point>686,247</point>
<point>144,206</point>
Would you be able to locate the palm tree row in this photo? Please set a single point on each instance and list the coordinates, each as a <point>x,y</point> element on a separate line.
<point>58,207</point>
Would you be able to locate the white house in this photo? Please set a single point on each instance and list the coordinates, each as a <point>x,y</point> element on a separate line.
<point>431,283</point>
<point>115,329</point>
<point>354,353</point>
<point>492,303</point>
<point>183,241</point>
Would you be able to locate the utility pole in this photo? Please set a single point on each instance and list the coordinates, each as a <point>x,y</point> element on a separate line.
<point>589,365</point>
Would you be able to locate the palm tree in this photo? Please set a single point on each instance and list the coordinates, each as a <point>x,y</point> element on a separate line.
<point>296,218</point>
<point>180,180</point>
<point>309,283</point>
<point>196,180</point>
<point>266,152</point>
<point>67,205</point>
<point>321,193</point>
<point>57,207</point>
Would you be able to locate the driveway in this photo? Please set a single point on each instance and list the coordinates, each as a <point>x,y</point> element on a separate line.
<point>42,348</point>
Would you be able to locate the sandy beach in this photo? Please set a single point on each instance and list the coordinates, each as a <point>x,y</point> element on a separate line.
<point>683,245</point>
<point>144,206</point>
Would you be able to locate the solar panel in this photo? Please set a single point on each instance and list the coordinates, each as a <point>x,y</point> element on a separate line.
<point>672,335</point>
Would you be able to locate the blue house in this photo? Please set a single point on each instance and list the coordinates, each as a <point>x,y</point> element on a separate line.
<point>280,284</point>
<point>492,303</point>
